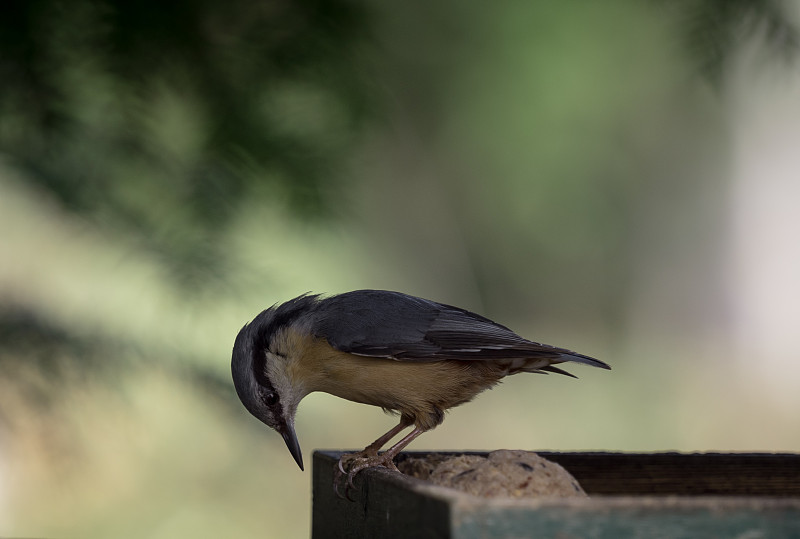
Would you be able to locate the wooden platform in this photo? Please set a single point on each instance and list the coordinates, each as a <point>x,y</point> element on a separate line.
<point>652,495</point>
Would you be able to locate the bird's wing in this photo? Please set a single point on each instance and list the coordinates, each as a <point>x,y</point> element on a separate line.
<point>378,323</point>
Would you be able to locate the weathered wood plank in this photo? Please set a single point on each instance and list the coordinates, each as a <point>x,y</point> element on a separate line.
<point>684,474</point>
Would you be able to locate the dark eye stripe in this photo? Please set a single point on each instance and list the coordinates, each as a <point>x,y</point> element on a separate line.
<point>275,318</point>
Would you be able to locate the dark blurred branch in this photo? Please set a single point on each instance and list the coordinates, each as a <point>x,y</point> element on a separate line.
<point>56,360</point>
<point>715,29</point>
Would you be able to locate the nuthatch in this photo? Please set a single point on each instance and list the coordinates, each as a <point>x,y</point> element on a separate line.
<point>408,355</point>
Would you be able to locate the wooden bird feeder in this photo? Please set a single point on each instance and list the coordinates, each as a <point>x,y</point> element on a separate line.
<point>632,495</point>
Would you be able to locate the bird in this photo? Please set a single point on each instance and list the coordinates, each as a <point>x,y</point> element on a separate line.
<point>410,356</point>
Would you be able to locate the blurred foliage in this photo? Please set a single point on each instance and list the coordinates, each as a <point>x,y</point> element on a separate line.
<point>157,120</point>
<point>715,29</point>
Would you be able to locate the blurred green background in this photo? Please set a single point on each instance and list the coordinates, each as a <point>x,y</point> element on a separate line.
<point>619,178</point>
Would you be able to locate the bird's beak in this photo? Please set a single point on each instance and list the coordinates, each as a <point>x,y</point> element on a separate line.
<point>290,438</point>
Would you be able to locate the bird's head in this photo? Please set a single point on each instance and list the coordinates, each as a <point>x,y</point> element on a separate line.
<point>260,372</point>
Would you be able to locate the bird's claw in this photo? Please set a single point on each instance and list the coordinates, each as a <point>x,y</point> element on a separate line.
<point>350,484</point>
<point>357,462</point>
<point>347,489</point>
<point>339,472</point>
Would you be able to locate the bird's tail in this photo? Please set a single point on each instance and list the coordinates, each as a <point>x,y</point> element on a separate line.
<point>568,355</point>
<point>548,365</point>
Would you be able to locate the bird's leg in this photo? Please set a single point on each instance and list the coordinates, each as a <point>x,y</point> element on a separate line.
<point>372,449</point>
<point>385,459</point>
<point>369,456</point>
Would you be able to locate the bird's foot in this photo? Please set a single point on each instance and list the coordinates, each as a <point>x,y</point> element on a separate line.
<point>351,464</point>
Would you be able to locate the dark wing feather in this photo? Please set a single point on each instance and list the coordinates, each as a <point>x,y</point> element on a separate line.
<point>379,323</point>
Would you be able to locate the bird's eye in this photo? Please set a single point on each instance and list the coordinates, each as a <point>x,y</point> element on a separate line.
<point>270,399</point>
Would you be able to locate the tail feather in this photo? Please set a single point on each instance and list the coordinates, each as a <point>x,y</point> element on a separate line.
<point>556,370</point>
<point>586,360</point>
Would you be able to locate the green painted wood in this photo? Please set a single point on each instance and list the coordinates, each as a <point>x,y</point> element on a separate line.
<point>734,502</point>
<point>630,519</point>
